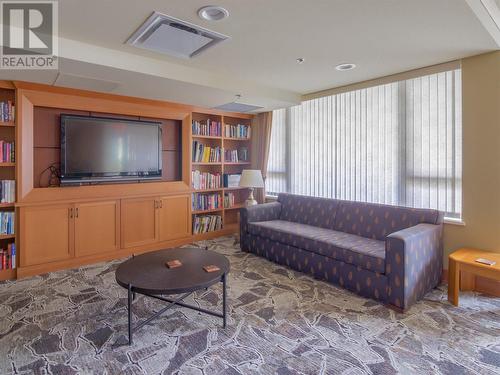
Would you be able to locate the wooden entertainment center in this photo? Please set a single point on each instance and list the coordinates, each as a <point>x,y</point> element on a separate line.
<point>63,227</point>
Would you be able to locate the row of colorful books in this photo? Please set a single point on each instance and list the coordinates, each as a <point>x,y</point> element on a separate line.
<point>8,257</point>
<point>7,220</point>
<point>7,111</point>
<point>201,202</point>
<point>237,131</point>
<point>229,200</point>
<point>205,180</point>
<point>6,152</point>
<point>205,154</point>
<point>207,128</point>
<point>7,191</point>
<point>206,223</point>
<point>236,156</point>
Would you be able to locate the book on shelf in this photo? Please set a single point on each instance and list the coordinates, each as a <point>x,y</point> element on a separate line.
<point>208,127</point>
<point>206,223</point>
<point>237,131</point>
<point>8,257</point>
<point>6,152</point>
<point>231,180</point>
<point>7,220</point>
<point>229,200</point>
<point>7,111</point>
<point>205,154</point>
<point>7,191</point>
<point>205,180</point>
<point>236,156</point>
<point>202,202</point>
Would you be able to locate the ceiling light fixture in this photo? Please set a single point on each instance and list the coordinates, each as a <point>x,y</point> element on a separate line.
<point>300,60</point>
<point>346,66</point>
<point>213,13</point>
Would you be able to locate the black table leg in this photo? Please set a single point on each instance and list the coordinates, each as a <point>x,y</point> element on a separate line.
<point>172,303</point>
<point>130,297</point>
<point>224,297</point>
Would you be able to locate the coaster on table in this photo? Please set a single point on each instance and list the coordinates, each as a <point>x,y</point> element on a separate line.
<point>211,268</point>
<point>173,263</point>
<point>486,261</point>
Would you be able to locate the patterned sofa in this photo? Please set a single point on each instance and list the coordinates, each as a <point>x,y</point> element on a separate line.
<point>388,253</point>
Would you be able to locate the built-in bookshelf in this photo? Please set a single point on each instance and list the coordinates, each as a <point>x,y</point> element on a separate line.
<point>220,146</point>
<point>8,243</point>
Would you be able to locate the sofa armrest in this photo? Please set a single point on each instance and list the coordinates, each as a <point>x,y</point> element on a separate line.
<point>413,263</point>
<point>259,212</point>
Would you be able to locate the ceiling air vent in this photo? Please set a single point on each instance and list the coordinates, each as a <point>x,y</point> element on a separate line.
<point>237,107</point>
<point>171,36</point>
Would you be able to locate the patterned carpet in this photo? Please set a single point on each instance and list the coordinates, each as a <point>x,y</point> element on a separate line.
<point>282,322</point>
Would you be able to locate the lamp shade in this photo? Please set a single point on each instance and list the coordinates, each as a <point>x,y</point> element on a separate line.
<point>251,178</point>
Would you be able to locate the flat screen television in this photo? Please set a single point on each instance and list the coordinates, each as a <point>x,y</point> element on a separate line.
<point>100,149</point>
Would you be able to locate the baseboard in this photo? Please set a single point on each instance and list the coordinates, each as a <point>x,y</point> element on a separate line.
<point>480,284</point>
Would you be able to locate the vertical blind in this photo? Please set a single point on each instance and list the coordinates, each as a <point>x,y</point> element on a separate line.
<point>398,143</point>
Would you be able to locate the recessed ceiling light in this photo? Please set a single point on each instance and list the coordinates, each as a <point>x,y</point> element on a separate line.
<point>300,60</point>
<point>346,66</point>
<point>213,13</point>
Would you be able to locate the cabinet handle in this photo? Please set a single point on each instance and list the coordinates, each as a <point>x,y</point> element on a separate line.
<point>77,212</point>
<point>71,213</point>
<point>161,203</point>
<point>156,203</point>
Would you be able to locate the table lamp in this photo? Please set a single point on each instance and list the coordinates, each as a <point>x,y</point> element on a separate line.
<point>251,178</point>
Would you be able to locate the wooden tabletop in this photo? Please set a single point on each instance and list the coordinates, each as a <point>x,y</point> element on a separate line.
<point>147,273</point>
<point>469,256</point>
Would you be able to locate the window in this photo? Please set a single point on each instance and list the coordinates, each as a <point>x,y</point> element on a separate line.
<point>398,143</point>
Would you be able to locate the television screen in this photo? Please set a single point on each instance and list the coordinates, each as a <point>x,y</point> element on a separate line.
<point>108,149</point>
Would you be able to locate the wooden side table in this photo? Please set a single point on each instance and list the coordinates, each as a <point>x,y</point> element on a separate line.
<point>465,260</point>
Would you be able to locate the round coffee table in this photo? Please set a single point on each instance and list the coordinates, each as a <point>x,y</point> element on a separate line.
<point>148,274</point>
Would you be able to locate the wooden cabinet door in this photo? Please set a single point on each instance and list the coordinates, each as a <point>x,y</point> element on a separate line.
<point>175,217</point>
<point>97,228</point>
<point>47,234</point>
<point>139,221</point>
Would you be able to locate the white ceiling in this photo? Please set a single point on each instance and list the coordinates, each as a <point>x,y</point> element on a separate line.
<point>381,37</point>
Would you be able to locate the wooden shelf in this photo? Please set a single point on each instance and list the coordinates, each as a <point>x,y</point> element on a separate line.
<point>198,163</point>
<point>206,190</point>
<point>236,188</point>
<point>200,212</point>
<point>235,207</point>
<point>230,215</point>
<point>206,137</point>
<point>227,229</point>
<point>237,139</point>
<point>8,274</point>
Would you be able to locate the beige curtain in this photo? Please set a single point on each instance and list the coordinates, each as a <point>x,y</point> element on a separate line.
<point>261,138</point>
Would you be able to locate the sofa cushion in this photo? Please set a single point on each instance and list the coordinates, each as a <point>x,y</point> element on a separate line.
<point>359,251</point>
<point>319,212</point>
<point>376,221</point>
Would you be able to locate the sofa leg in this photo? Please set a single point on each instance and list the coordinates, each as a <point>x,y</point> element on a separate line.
<point>396,309</point>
